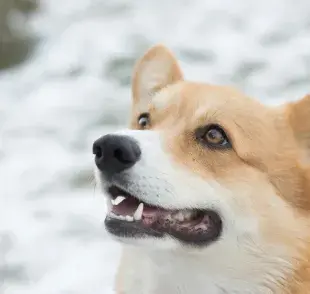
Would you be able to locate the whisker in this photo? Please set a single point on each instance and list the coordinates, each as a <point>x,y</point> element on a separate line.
<point>93,183</point>
<point>95,186</point>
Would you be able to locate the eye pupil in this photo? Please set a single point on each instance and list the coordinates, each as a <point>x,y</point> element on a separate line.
<point>213,136</point>
<point>144,120</point>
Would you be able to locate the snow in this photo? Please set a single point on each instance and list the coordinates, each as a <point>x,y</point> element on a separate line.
<point>76,87</point>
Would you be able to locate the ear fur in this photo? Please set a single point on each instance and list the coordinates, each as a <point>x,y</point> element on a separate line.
<point>299,119</point>
<point>157,69</point>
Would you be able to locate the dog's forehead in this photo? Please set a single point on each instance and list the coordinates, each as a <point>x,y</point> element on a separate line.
<point>197,103</point>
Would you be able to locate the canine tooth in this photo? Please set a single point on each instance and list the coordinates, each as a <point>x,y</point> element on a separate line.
<point>118,200</point>
<point>129,218</point>
<point>138,213</point>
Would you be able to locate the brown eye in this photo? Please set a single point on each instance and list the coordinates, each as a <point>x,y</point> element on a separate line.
<point>144,120</point>
<point>214,136</point>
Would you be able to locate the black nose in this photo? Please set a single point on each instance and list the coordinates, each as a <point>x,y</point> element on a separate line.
<point>115,153</point>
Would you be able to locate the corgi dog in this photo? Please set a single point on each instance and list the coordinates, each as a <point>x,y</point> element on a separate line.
<point>208,191</point>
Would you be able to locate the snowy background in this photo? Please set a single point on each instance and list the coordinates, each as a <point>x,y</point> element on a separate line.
<point>74,85</point>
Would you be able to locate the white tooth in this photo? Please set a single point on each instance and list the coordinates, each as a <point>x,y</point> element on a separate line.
<point>179,216</point>
<point>118,200</point>
<point>138,213</point>
<point>201,226</point>
<point>187,215</point>
<point>111,214</point>
<point>129,218</point>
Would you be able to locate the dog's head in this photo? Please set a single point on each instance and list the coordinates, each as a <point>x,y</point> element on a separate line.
<point>204,166</point>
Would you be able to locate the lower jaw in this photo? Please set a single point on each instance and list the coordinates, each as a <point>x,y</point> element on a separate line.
<point>133,230</point>
<point>159,229</point>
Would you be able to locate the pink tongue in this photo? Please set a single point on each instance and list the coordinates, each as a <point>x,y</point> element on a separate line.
<point>149,211</point>
<point>129,206</point>
<point>126,207</point>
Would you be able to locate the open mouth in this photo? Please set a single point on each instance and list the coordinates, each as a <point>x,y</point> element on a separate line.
<point>130,217</point>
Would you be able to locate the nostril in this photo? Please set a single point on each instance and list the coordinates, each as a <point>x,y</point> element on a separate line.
<point>121,156</point>
<point>115,153</point>
<point>97,151</point>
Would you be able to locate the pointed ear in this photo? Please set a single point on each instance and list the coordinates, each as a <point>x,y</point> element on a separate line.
<point>299,118</point>
<point>157,69</point>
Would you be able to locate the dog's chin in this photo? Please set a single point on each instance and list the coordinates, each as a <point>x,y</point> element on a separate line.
<point>132,221</point>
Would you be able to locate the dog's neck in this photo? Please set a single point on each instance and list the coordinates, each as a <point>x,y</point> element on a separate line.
<point>144,271</point>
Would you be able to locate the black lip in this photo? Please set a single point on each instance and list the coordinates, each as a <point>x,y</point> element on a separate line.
<point>129,229</point>
<point>205,238</point>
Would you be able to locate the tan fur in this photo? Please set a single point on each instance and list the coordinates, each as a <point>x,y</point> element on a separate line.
<point>164,72</point>
<point>271,147</point>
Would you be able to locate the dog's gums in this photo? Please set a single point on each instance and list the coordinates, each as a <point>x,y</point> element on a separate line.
<point>129,217</point>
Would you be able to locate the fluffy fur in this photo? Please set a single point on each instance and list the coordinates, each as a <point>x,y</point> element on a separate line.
<point>261,188</point>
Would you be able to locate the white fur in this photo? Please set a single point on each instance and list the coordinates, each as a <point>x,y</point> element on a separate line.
<point>241,261</point>
<point>158,271</point>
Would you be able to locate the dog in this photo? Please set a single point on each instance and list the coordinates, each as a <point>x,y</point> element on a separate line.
<point>208,191</point>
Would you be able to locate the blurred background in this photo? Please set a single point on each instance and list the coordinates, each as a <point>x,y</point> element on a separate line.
<point>65,70</point>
